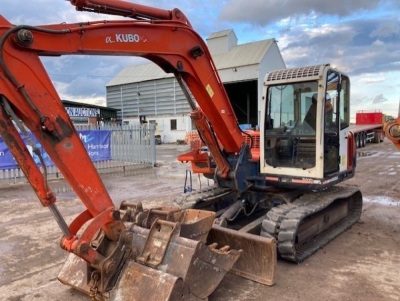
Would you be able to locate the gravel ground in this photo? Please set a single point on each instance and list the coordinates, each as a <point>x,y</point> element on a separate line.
<point>362,264</point>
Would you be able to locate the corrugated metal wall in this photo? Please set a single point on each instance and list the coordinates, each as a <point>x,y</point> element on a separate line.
<point>160,97</point>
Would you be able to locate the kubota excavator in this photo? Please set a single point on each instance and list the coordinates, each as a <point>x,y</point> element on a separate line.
<point>272,185</point>
<point>126,253</point>
<point>281,181</point>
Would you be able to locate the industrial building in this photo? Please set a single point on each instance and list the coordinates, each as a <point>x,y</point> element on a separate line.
<point>146,92</point>
<point>88,114</point>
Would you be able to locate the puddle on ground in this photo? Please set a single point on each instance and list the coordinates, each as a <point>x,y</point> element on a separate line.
<point>141,173</point>
<point>382,200</point>
<point>361,154</point>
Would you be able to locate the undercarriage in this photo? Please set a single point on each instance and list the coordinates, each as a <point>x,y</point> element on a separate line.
<point>301,222</point>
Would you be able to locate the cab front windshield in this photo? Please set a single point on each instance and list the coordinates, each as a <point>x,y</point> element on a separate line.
<point>290,124</point>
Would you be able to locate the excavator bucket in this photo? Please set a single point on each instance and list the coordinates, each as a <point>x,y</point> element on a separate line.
<point>259,256</point>
<point>163,264</point>
<point>138,282</point>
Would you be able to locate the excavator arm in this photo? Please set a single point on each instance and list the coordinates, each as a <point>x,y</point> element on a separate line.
<point>130,10</point>
<point>29,102</point>
<point>172,45</point>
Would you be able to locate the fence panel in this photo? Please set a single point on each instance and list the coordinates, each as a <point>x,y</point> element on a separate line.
<point>131,146</point>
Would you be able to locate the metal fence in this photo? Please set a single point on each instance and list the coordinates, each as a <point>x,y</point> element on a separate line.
<point>131,147</point>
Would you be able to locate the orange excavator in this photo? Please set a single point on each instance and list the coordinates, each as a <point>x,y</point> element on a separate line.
<point>274,188</point>
<point>126,253</point>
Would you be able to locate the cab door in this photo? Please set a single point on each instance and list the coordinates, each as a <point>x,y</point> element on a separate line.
<point>331,107</point>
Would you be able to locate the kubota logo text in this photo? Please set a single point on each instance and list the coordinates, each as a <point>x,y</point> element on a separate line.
<point>124,38</point>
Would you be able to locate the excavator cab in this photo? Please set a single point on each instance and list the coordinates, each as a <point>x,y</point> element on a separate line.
<point>305,139</point>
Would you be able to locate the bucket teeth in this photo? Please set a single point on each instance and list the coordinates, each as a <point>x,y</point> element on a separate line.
<point>163,264</point>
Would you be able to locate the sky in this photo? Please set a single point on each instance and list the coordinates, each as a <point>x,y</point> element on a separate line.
<point>359,37</point>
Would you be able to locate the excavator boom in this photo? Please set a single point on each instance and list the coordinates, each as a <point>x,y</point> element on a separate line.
<point>116,243</point>
<point>131,10</point>
<point>188,59</point>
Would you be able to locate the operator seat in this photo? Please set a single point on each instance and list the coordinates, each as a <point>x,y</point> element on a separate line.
<point>311,116</point>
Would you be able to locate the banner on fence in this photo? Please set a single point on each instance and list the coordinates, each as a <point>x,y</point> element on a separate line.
<point>6,159</point>
<point>97,144</point>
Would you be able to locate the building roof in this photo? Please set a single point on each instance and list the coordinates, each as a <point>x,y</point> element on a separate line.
<point>86,105</point>
<point>138,73</point>
<point>239,55</point>
<point>219,34</point>
<point>243,55</point>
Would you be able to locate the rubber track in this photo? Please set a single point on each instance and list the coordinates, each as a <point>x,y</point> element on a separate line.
<point>283,221</point>
<point>201,198</point>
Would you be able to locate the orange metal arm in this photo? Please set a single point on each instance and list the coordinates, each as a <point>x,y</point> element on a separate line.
<point>164,37</point>
<point>49,122</point>
<point>28,93</point>
<point>131,10</point>
<point>174,47</point>
<point>24,159</point>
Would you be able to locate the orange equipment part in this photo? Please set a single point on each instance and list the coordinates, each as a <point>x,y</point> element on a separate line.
<point>131,10</point>
<point>171,43</point>
<point>188,59</point>
<point>392,131</point>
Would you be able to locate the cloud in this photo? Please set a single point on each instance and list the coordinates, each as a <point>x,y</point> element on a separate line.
<point>387,28</point>
<point>358,37</point>
<point>351,46</point>
<point>264,12</point>
<point>67,91</point>
<point>371,80</point>
<point>36,12</point>
<point>378,43</point>
<point>379,99</point>
<point>85,77</point>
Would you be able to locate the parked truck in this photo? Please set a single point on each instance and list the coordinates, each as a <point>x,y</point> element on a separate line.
<point>368,127</point>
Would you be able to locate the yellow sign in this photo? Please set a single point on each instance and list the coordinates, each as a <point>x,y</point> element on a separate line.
<point>210,90</point>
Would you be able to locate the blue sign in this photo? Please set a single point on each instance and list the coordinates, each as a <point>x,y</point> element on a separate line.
<point>97,144</point>
<point>6,158</point>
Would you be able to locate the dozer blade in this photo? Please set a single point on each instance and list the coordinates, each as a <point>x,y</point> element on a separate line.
<point>163,265</point>
<point>259,257</point>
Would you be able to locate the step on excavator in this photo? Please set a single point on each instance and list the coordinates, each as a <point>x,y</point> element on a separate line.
<point>275,189</point>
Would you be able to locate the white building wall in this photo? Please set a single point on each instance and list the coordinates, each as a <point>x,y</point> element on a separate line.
<point>238,74</point>
<point>163,126</point>
<point>272,61</point>
<point>158,100</point>
<point>222,43</point>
